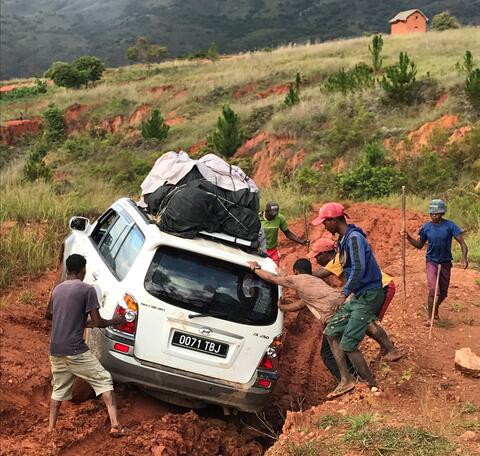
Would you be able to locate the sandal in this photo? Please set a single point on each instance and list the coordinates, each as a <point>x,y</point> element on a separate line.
<point>340,391</point>
<point>119,431</point>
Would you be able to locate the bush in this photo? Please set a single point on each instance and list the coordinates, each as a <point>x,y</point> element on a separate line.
<point>65,75</point>
<point>352,127</point>
<point>399,82</point>
<point>373,178</point>
<point>40,87</point>
<point>309,180</point>
<point>155,127</point>
<point>359,78</point>
<point>35,167</point>
<point>427,173</point>
<point>444,21</point>
<point>228,135</point>
<point>212,53</point>
<point>468,64</point>
<point>54,123</point>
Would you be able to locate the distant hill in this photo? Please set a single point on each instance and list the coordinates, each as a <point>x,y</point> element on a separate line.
<point>36,32</point>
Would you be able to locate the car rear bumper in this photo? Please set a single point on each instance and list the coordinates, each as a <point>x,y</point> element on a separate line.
<point>125,368</point>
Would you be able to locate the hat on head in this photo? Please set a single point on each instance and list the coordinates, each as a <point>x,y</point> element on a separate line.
<point>272,206</point>
<point>320,246</point>
<point>437,206</point>
<point>329,210</point>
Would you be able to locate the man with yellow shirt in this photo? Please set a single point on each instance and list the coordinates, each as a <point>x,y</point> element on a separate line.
<point>323,250</point>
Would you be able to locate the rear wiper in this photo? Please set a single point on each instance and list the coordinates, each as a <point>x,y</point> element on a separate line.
<point>210,314</point>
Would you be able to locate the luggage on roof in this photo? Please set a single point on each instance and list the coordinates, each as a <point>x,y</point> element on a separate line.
<point>208,194</point>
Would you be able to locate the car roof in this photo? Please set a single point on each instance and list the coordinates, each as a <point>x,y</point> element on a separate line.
<point>155,237</point>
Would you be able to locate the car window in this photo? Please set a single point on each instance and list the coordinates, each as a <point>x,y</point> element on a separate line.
<point>127,252</point>
<point>207,285</point>
<point>112,240</point>
<point>103,225</point>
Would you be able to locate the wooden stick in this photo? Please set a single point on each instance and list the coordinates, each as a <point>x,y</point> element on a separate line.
<point>404,250</point>
<point>435,300</point>
<point>305,226</point>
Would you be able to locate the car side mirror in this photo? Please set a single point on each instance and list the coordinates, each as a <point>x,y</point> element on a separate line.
<point>79,223</point>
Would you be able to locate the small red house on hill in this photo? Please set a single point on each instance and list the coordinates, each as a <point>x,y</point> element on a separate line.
<point>408,22</point>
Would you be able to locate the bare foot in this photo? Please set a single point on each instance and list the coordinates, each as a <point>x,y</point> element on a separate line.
<point>341,389</point>
<point>393,355</point>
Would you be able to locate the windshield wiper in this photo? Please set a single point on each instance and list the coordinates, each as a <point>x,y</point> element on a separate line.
<point>210,314</point>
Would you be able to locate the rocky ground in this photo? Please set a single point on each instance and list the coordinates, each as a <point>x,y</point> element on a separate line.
<point>422,389</point>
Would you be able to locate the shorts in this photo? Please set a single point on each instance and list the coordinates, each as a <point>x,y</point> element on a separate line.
<point>274,254</point>
<point>444,281</point>
<point>352,319</point>
<point>389,294</point>
<point>85,366</point>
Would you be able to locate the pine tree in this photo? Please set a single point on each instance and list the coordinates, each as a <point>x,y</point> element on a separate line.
<point>472,88</point>
<point>399,81</point>
<point>375,50</point>
<point>155,127</point>
<point>292,97</point>
<point>228,135</point>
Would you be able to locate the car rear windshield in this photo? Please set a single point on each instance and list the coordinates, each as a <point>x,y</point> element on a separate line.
<point>204,284</point>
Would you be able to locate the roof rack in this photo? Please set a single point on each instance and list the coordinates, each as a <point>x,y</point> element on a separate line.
<point>242,243</point>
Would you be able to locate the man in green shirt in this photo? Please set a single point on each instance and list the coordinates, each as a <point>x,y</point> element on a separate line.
<point>272,221</point>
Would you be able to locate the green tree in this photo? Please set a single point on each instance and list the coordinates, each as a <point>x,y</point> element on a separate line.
<point>145,52</point>
<point>133,54</point>
<point>155,127</point>
<point>472,88</point>
<point>212,53</point>
<point>399,81</point>
<point>90,68</point>
<point>228,135</point>
<point>292,97</point>
<point>468,64</point>
<point>444,21</point>
<point>54,123</point>
<point>65,75</point>
<point>375,49</point>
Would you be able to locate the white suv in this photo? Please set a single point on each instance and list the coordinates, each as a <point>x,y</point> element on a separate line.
<point>200,324</point>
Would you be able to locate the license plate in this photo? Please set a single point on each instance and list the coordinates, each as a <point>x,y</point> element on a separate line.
<point>199,344</point>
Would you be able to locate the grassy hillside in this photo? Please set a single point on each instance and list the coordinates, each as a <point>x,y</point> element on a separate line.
<point>36,33</point>
<point>330,129</point>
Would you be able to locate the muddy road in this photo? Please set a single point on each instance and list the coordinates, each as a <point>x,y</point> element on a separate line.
<point>165,430</point>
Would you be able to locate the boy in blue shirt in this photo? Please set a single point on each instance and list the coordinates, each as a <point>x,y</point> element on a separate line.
<point>439,234</point>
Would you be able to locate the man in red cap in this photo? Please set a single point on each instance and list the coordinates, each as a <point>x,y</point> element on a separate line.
<point>324,252</point>
<point>363,280</point>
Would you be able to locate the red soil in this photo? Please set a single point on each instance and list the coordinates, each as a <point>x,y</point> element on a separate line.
<point>279,89</point>
<point>160,90</point>
<point>112,125</point>
<point>180,95</point>
<point>245,90</point>
<point>251,144</point>
<point>277,148</point>
<point>75,117</point>
<point>197,146</point>
<point>159,429</point>
<point>139,115</point>
<point>442,100</point>
<point>16,128</point>
<point>420,138</point>
<point>459,134</point>
<point>177,120</point>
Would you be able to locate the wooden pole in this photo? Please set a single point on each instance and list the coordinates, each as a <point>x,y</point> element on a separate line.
<point>435,297</point>
<point>305,226</point>
<point>404,250</point>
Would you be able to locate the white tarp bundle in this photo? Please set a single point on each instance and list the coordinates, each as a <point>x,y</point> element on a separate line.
<point>171,167</point>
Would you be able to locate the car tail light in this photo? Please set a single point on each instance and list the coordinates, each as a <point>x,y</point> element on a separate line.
<point>267,369</point>
<point>127,307</point>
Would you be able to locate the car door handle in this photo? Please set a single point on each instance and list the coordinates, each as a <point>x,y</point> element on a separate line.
<point>95,275</point>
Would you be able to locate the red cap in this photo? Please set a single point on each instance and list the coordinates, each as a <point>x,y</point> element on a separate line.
<point>329,210</point>
<point>321,245</point>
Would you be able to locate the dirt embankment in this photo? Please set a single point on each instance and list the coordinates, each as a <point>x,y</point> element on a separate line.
<point>163,430</point>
